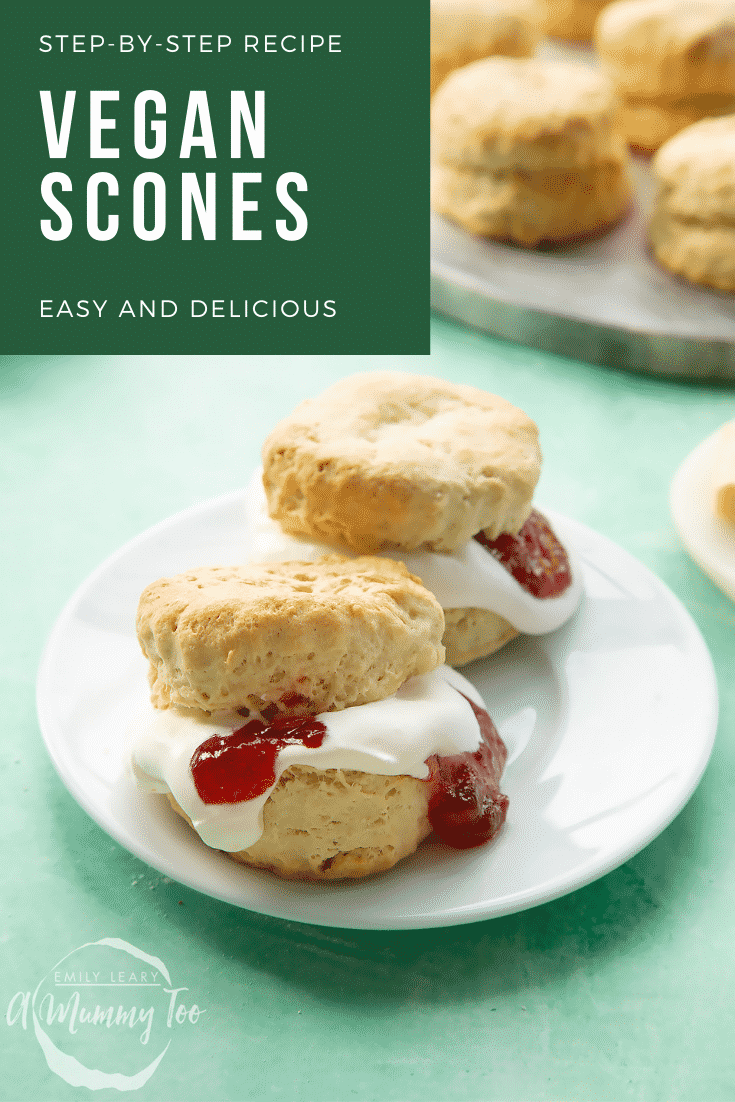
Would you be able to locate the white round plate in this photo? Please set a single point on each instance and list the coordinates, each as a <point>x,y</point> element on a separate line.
<point>709,540</point>
<point>609,723</point>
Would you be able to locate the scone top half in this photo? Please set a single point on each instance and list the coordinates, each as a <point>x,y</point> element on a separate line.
<point>501,114</point>
<point>294,638</point>
<point>388,460</point>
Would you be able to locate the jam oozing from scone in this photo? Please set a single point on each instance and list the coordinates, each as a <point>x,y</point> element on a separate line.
<point>466,806</point>
<point>230,768</point>
<point>534,557</point>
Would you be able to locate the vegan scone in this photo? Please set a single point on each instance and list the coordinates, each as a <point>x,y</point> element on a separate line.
<point>572,20</point>
<point>302,720</point>
<point>692,229</point>
<point>436,475</point>
<point>528,151</point>
<point>672,62</point>
<point>466,30</point>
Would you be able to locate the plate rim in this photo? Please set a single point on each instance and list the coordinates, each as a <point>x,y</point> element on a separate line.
<point>526,899</point>
<point>690,471</point>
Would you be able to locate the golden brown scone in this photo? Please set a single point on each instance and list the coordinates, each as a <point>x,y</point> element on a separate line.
<point>386,459</point>
<point>573,20</point>
<point>647,124</point>
<point>301,637</point>
<point>528,151</point>
<point>671,61</point>
<point>532,208</point>
<point>465,30</point>
<point>668,48</point>
<point>692,229</point>
<point>335,824</point>
<point>533,116</point>
<point>471,633</point>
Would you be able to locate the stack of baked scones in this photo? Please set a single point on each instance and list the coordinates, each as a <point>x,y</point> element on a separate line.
<point>528,151</point>
<point>532,151</point>
<point>303,720</point>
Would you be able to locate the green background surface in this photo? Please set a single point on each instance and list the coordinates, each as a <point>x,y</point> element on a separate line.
<point>621,990</point>
<point>332,117</point>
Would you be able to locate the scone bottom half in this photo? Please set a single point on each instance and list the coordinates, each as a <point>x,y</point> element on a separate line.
<point>204,630</point>
<point>326,823</point>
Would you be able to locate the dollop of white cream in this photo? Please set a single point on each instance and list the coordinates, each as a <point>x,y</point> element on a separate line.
<point>393,737</point>
<point>467,578</point>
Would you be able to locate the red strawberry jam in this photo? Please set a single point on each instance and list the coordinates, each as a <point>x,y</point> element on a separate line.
<point>466,807</point>
<point>534,557</point>
<point>230,768</point>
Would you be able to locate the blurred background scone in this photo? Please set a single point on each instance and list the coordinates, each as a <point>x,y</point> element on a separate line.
<point>573,20</point>
<point>672,63</point>
<point>467,30</point>
<point>528,151</point>
<point>692,230</point>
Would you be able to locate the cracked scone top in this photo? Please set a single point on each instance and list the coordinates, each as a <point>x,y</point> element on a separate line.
<point>302,637</point>
<point>387,459</point>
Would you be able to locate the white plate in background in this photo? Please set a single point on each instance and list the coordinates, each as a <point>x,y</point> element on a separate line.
<point>709,540</point>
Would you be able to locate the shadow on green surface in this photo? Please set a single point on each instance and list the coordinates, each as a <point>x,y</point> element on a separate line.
<point>372,970</point>
<point>22,372</point>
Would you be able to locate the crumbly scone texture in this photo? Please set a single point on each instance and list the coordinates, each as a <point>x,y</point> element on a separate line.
<point>390,460</point>
<point>647,124</point>
<point>534,207</point>
<point>336,824</point>
<point>297,637</point>
<point>471,633</point>
<point>572,20</point>
<point>465,30</point>
<point>532,116</point>
<point>692,229</point>
<point>668,48</point>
